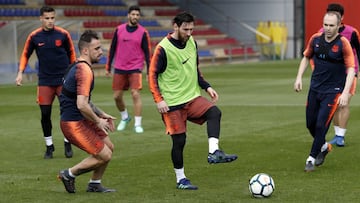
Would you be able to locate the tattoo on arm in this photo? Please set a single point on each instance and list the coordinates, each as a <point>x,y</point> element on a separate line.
<point>96,110</point>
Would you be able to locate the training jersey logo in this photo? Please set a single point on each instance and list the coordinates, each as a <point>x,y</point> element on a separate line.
<point>335,48</point>
<point>58,42</point>
<point>185,61</point>
<point>41,44</point>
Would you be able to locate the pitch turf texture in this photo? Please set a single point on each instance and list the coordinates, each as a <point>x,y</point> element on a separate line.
<point>263,122</point>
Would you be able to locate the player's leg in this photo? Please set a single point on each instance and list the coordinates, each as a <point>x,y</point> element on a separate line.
<point>340,122</point>
<point>327,108</point>
<point>120,84</point>
<point>99,172</point>
<point>201,110</point>
<point>177,158</point>
<point>45,98</point>
<point>342,116</point>
<point>47,130</point>
<point>67,146</point>
<point>341,119</point>
<point>311,112</point>
<point>88,137</point>
<point>135,80</point>
<point>178,136</point>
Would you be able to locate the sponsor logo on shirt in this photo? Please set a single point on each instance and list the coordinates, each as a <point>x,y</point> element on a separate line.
<point>185,61</point>
<point>58,42</point>
<point>335,48</point>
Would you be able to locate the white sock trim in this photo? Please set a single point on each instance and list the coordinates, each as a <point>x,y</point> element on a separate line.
<point>48,140</point>
<point>124,114</point>
<point>213,144</point>
<point>95,181</point>
<point>341,132</point>
<point>137,120</point>
<point>180,174</point>
<point>310,158</point>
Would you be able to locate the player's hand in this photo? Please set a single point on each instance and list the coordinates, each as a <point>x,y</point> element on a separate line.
<point>108,73</point>
<point>110,119</point>
<point>18,80</point>
<point>298,85</point>
<point>107,116</point>
<point>213,94</point>
<point>105,125</point>
<point>111,124</point>
<point>162,107</point>
<point>343,99</point>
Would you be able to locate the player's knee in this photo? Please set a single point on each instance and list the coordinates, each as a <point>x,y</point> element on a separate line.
<point>117,97</point>
<point>111,146</point>
<point>107,157</point>
<point>178,140</point>
<point>213,112</point>
<point>135,93</point>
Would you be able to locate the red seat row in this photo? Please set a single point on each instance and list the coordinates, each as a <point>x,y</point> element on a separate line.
<point>83,12</point>
<point>239,51</point>
<point>101,24</point>
<point>172,12</point>
<point>154,3</point>
<point>222,41</point>
<point>211,31</point>
<point>65,2</point>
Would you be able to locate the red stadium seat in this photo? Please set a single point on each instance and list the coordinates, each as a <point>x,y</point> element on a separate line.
<point>222,41</point>
<point>211,31</point>
<point>154,3</point>
<point>167,12</point>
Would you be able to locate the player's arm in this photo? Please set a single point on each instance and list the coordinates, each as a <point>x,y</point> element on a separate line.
<point>84,79</point>
<point>70,49</point>
<point>96,110</point>
<point>111,53</point>
<point>86,110</point>
<point>355,43</point>
<point>157,65</point>
<point>202,82</point>
<point>349,64</point>
<point>304,63</point>
<point>24,58</point>
<point>146,47</point>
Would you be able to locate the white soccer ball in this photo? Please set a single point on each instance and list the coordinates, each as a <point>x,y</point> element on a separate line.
<point>261,185</point>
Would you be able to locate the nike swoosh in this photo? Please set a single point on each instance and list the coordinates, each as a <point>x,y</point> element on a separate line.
<point>185,61</point>
<point>41,44</point>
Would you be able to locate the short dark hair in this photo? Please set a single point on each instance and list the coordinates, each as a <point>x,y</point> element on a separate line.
<point>86,38</point>
<point>46,9</point>
<point>134,8</point>
<point>183,17</point>
<point>336,8</point>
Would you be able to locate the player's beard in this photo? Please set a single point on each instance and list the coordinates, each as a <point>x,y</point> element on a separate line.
<point>183,39</point>
<point>133,22</point>
<point>96,60</point>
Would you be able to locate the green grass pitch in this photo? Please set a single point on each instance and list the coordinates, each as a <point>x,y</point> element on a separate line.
<point>263,122</point>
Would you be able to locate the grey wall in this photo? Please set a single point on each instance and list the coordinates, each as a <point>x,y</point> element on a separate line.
<point>227,15</point>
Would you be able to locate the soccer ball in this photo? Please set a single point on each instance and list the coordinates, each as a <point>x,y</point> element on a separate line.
<point>261,185</point>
